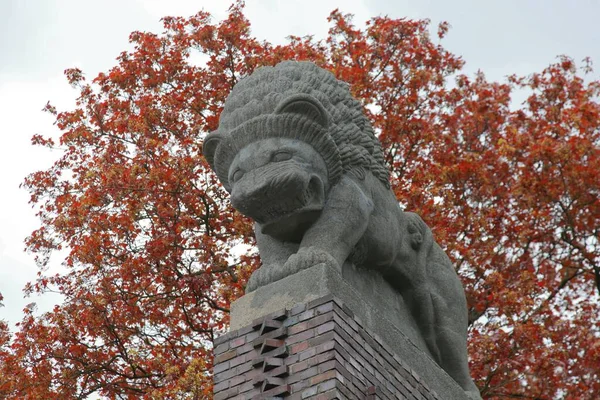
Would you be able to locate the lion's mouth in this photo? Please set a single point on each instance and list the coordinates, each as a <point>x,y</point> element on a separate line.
<point>287,206</point>
<point>288,213</point>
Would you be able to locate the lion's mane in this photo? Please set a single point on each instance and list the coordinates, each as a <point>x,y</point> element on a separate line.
<point>347,145</point>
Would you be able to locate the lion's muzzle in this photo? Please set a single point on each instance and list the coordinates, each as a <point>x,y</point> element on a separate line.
<point>272,194</point>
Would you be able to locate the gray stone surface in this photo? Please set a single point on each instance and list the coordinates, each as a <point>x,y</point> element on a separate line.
<point>385,314</point>
<point>299,157</point>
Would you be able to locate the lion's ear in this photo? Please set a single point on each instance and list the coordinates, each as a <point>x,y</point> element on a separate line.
<point>306,105</point>
<point>209,147</point>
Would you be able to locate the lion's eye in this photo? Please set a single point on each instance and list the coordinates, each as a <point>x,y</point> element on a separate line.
<point>281,156</point>
<point>237,175</point>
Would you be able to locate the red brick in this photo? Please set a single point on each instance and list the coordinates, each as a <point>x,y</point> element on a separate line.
<point>329,395</point>
<point>320,319</point>
<point>326,366</point>
<point>250,336</point>
<point>325,357</point>
<point>308,353</point>
<point>221,348</point>
<point>308,314</point>
<point>297,387</point>
<point>302,326</point>
<point>234,362</point>
<point>302,375</point>
<point>325,327</point>
<point>295,368</point>
<point>328,345</point>
<point>237,342</point>
<point>244,349</point>
<point>240,369</point>
<point>325,386</point>
<point>225,356</point>
<point>322,377</point>
<point>237,380</point>
<point>299,337</point>
<point>298,347</point>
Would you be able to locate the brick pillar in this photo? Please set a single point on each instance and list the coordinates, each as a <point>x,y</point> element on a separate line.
<point>320,335</point>
<point>318,350</point>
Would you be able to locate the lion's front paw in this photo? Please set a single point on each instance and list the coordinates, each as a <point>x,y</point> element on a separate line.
<point>303,259</point>
<point>306,258</point>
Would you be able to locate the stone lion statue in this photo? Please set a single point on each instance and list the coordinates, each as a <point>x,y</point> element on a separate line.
<point>299,157</point>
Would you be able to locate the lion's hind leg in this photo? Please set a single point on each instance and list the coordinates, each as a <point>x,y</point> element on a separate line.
<point>450,344</point>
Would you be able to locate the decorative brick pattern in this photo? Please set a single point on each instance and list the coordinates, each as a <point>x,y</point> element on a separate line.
<point>317,350</point>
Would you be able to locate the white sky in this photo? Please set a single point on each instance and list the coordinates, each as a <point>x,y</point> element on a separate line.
<point>41,38</point>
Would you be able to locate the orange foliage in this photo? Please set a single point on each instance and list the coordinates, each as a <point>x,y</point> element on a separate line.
<point>513,195</point>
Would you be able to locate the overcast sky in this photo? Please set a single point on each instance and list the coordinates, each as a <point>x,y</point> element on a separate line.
<point>41,38</point>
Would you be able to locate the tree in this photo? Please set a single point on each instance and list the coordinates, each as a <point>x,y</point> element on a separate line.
<point>511,194</point>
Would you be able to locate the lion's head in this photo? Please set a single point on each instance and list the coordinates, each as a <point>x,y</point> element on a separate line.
<point>286,135</point>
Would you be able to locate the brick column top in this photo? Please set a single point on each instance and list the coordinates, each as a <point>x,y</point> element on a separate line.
<point>320,350</point>
<point>365,298</point>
